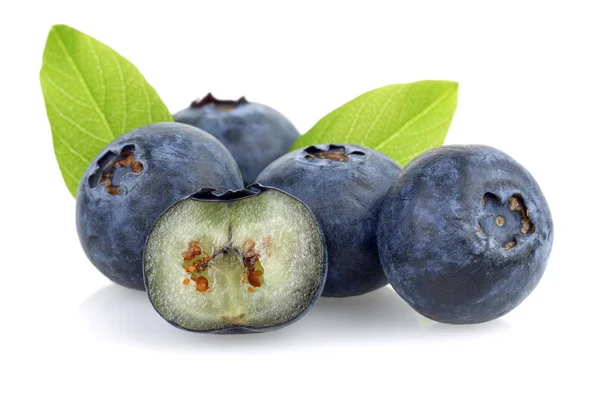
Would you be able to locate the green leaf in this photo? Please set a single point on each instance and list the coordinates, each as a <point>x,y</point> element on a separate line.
<point>401,120</point>
<point>92,95</point>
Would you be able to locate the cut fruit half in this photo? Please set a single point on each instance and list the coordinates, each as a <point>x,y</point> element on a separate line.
<point>243,261</point>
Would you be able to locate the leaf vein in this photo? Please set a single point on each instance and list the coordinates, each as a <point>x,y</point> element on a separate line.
<point>387,102</point>
<point>149,106</point>
<point>414,119</point>
<point>72,150</point>
<point>354,121</point>
<point>70,175</point>
<point>65,93</point>
<point>124,91</point>
<point>101,81</point>
<point>75,124</point>
<point>83,83</point>
<point>59,71</point>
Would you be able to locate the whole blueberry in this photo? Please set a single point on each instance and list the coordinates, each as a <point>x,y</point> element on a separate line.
<point>344,186</point>
<point>133,180</point>
<point>255,134</point>
<point>464,234</point>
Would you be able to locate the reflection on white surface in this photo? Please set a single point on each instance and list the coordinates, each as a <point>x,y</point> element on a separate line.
<point>122,315</point>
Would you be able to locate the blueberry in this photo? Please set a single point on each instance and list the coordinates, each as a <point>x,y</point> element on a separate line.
<point>255,134</point>
<point>133,180</point>
<point>243,261</point>
<point>344,186</point>
<point>464,234</point>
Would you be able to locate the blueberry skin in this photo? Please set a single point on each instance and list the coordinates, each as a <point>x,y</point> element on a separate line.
<point>255,134</point>
<point>345,197</point>
<point>177,160</point>
<point>442,246</point>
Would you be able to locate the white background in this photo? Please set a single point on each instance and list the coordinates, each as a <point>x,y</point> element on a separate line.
<point>529,84</point>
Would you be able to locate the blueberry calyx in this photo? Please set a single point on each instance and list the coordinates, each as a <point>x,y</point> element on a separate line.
<point>334,152</point>
<point>112,167</point>
<point>505,221</point>
<point>220,104</point>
